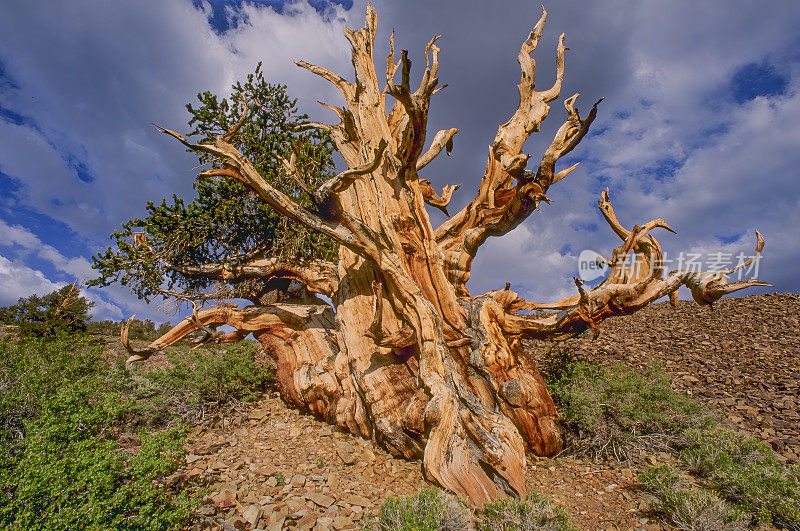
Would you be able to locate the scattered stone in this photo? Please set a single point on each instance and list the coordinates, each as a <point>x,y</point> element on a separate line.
<point>226,497</point>
<point>321,499</point>
<point>355,499</point>
<point>324,523</point>
<point>294,504</point>
<point>342,523</point>
<point>333,481</point>
<point>206,510</point>
<point>346,452</point>
<point>257,414</point>
<point>265,470</point>
<point>368,455</point>
<point>252,514</point>
<point>307,521</point>
<point>297,515</point>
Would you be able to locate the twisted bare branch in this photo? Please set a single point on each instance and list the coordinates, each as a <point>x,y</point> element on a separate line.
<point>442,140</point>
<point>635,279</point>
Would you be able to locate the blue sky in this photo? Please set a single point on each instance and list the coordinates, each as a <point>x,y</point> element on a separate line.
<point>700,124</point>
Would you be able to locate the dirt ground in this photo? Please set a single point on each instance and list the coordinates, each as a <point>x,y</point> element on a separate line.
<point>274,467</point>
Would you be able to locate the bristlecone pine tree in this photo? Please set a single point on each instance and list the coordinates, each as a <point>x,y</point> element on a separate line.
<point>406,355</point>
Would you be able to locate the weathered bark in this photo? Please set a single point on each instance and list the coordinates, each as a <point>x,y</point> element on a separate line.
<point>410,358</point>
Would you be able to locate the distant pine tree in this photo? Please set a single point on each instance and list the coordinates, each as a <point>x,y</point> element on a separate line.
<point>62,311</point>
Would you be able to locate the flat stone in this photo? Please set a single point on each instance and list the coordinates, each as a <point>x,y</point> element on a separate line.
<point>343,522</point>
<point>258,414</point>
<point>226,496</point>
<point>252,514</point>
<point>346,452</point>
<point>206,510</point>
<point>368,455</point>
<point>324,523</point>
<point>294,504</point>
<point>265,470</point>
<point>297,515</point>
<point>333,480</point>
<point>355,499</point>
<point>321,499</point>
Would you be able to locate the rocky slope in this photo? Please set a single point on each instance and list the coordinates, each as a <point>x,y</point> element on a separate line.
<point>275,468</point>
<point>742,357</point>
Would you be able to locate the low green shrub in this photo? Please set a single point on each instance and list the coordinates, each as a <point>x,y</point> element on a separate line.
<point>746,471</point>
<point>433,510</point>
<point>535,512</point>
<point>196,383</point>
<point>428,510</point>
<point>612,411</point>
<point>687,508</point>
<point>62,467</point>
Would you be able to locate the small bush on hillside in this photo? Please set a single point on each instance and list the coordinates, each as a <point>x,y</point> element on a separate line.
<point>198,382</point>
<point>60,464</point>
<point>429,510</point>
<point>535,512</point>
<point>686,508</point>
<point>747,472</point>
<point>615,412</point>
<point>612,411</point>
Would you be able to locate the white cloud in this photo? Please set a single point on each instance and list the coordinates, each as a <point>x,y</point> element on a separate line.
<point>18,280</point>
<point>736,165</point>
<point>77,267</point>
<point>93,75</point>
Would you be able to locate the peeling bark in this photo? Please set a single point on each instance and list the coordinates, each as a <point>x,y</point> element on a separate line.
<point>409,358</point>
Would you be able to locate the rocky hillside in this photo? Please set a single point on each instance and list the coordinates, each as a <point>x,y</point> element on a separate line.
<point>274,467</point>
<point>742,356</point>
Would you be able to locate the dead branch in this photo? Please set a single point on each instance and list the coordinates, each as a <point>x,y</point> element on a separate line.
<point>443,139</point>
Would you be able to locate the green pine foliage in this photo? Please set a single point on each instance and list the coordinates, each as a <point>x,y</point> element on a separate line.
<point>63,311</point>
<point>142,330</point>
<point>226,222</point>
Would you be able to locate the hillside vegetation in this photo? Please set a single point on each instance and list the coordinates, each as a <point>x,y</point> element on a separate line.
<point>85,443</point>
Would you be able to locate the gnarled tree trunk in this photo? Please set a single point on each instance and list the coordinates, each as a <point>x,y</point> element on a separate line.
<point>409,358</point>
